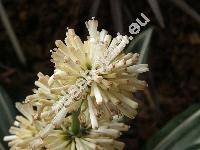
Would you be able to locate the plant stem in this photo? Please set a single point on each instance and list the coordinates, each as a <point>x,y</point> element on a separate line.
<point>75,127</point>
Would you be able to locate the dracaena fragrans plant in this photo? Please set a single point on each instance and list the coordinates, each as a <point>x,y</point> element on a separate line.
<point>76,107</point>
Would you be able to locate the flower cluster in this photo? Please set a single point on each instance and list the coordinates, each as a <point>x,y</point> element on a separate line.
<point>24,129</point>
<point>97,139</point>
<point>74,108</point>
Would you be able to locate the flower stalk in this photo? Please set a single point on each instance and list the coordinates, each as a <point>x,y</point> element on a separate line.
<point>75,126</point>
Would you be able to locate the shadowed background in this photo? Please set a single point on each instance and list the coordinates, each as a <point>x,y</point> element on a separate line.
<point>173,52</point>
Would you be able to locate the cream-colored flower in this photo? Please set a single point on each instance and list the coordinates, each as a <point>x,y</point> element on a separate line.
<point>24,130</point>
<point>94,74</point>
<point>103,138</point>
<point>99,69</point>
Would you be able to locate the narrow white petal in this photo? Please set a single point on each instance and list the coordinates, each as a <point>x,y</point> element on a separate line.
<point>9,138</point>
<point>93,118</point>
<point>97,94</point>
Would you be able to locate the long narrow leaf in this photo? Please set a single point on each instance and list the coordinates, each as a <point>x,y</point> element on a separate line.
<point>7,113</point>
<point>194,147</point>
<point>2,147</point>
<point>187,9</point>
<point>12,35</point>
<point>180,133</point>
<point>156,10</point>
<point>6,106</point>
<point>141,44</point>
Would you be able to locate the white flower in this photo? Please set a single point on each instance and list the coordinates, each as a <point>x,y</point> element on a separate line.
<point>109,76</point>
<point>24,129</point>
<point>102,138</point>
<point>93,76</point>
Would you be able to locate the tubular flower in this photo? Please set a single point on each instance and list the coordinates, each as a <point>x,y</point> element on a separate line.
<point>99,70</point>
<point>102,138</point>
<point>94,79</point>
<point>24,129</point>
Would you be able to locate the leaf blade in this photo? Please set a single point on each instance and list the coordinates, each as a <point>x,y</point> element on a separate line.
<point>141,43</point>
<point>177,133</point>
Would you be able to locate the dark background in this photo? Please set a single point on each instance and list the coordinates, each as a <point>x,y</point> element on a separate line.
<point>173,56</point>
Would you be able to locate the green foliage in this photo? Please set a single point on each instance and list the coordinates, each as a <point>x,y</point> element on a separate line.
<point>75,127</point>
<point>181,133</point>
<point>140,44</point>
<point>7,113</point>
<point>156,10</point>
<point>179,3</point>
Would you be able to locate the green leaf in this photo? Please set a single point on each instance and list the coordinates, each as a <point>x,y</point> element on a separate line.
<point>182,132</point>
<point>2,146</point>
<point>141,44</point>
<point>187,9</point>
<point>7,113</point>
<point>75,127</point>
<point>194,147</point>
<point>156,10</point>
